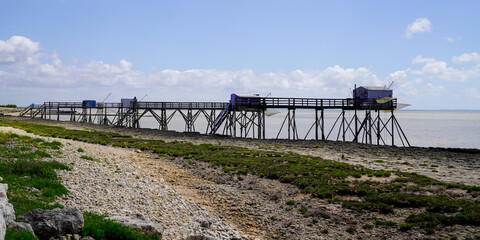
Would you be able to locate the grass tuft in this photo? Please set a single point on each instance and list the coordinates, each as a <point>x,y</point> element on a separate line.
<point>100,228</point>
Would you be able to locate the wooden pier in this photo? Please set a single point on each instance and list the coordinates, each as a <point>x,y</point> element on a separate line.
<point>243,116</point>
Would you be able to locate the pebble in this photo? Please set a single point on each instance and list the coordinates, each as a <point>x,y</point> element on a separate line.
<point>117,186</point>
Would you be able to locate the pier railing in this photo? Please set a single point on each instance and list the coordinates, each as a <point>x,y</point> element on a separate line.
<point>313,103</point>
<point>181,105</point>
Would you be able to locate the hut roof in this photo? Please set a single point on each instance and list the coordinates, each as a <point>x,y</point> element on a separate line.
<point>376,88</point>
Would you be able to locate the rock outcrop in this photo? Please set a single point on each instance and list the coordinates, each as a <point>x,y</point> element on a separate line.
<point>54,223</point>
<point>147,227</point>
<point>7,212</point>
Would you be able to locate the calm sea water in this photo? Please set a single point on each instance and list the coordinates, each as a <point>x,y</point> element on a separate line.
<point>457,129</point>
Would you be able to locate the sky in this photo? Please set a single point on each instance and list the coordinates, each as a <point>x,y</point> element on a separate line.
<point>66,50</point>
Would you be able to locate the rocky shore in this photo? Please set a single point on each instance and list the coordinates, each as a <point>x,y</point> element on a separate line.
<point>175,198</point>
<point>10,111</point>
<point>113,183</point>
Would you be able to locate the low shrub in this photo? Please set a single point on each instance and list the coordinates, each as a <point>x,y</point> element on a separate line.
<point>290,203</point>
<point>20,235</point>
<point>405,226</point>
<point>100,228</point>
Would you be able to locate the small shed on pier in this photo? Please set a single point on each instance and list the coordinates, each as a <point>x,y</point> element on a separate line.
<point>372,92</point>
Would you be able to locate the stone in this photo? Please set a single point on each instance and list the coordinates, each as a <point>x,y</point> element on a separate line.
<point>17,226</point>
<point>7,213</point>
<point>147,227</point>
<point>204,223</point>
<point>54,223</point>
<point>3,228</point>
<point>200,237</point>
<point>87,238</point>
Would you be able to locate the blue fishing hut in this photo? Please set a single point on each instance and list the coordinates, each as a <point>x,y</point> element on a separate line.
<point>237,101</point>
<point>369,95</point>
<point>369,92</point>
<point>89,103</point>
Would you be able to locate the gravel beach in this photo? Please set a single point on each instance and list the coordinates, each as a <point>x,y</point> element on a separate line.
<point>176,197</point>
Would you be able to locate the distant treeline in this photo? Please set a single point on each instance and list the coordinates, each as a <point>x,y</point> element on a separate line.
<point>9,106</point>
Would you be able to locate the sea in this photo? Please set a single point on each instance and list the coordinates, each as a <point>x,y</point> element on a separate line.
<point>454,129</point>
<point>422,128</point>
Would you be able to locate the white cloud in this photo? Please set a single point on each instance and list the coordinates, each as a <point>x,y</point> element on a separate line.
<point>48,71</point>
<point>435,69</point>
<point>17,49</point>
<point>418,26</point>
<point>398,75</point>
<point>473,92</point>
<point>467,57</point>
<point>420,59</point>
<point>30,76</point>
<point>451,39</point>
<point>434,90</point>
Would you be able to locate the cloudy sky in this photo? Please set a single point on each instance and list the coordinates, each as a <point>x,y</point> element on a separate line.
<point>66,50</point>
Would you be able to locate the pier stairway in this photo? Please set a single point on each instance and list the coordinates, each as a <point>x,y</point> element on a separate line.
<point>41,109</point>
<point>25,111</point>
<point>220,119</point>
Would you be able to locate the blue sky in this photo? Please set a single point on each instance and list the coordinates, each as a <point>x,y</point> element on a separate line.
<point>63,50</point>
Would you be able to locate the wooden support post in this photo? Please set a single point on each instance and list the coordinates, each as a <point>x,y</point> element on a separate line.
<point>355,138</point>
<point>343,125</point>
<point>323,123</point>
<point>316,124</point>
<point>263,124</point>
<point>378,128</point>
<point>259,124</point>
<point>393,129</point>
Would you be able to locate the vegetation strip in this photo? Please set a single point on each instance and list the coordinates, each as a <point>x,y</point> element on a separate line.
<point>32,183</point>
<point>432,203</point>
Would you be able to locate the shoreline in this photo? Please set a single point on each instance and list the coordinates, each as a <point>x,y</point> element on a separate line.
<point>173,133</point>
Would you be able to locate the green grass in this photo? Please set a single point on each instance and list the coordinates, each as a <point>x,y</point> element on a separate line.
<point>20,235</point>
<point>319,177</point>
<point>100,228</point>
<point>32,182</point>
<point>9,106</point>
<point>405,226</point>
<point>290,203</point>
<point>89,158</point>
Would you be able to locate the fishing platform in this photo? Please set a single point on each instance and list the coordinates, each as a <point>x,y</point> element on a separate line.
<point>359,118</point>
